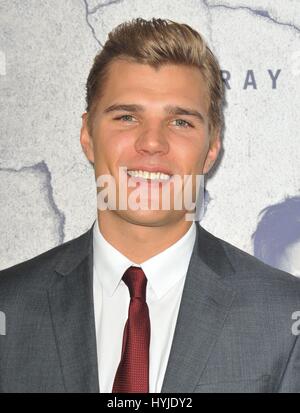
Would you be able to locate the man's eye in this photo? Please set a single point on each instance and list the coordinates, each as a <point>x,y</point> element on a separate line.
<point>182,122</point>
<point>126,118</point>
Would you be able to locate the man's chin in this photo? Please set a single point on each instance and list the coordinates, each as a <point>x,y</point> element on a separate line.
<point>150,218</point>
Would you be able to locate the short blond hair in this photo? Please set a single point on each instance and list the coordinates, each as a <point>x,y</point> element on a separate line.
<point>156,42</point>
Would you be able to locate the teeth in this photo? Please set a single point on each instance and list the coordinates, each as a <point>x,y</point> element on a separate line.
<point>149,175</point>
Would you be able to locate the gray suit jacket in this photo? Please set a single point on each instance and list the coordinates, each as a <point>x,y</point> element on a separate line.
<point>233,332</point>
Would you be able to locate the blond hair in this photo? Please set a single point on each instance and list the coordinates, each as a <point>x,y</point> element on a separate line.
<point>156,42</point>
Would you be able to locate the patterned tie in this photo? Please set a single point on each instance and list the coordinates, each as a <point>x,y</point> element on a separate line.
<point>132,375</point>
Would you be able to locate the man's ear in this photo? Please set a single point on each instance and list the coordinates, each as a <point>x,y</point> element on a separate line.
<point>86,139</point>
<point>213,151</point>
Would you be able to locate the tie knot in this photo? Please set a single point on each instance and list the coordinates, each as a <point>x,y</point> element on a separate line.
<point>136,281</point>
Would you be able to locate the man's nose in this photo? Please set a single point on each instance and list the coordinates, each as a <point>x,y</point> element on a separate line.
<point>152,139</point>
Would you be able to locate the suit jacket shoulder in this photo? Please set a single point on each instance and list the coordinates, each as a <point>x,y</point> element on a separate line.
<point>246,265</point>
<point>246,261</point>
<point>38,273</point>
<point>265,296</point>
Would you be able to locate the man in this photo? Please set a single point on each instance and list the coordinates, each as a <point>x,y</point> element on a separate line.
<point>147,300</point>
<point>276,240</point>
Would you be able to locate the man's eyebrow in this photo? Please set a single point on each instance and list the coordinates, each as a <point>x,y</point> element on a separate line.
<point>124,107</point>
<point>178,110</point>
<point>170,109</point>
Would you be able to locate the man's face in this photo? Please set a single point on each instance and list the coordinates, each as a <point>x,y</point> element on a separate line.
<point>152,120</point>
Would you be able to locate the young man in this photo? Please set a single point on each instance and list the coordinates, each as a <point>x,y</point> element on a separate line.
<point>147,300</point>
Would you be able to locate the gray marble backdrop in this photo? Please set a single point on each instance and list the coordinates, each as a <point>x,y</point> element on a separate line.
<point>47,187</point>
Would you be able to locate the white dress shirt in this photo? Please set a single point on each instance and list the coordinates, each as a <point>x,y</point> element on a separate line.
<point>166,274</point>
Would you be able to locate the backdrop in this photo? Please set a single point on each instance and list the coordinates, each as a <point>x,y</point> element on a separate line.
<point>47,186</point>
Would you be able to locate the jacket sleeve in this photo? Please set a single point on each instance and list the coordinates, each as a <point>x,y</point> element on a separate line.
<point>290,380</point>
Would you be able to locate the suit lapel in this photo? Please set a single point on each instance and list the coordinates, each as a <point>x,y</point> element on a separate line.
<point>205,303</point>
<point>72,312</point>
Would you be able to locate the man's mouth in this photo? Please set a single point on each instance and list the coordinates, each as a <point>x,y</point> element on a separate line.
<point>152,176</point>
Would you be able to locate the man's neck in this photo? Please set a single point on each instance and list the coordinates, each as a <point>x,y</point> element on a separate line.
<point>140,242</point>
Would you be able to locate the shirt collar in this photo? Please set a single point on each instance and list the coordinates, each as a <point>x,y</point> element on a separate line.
<point>162,270</point>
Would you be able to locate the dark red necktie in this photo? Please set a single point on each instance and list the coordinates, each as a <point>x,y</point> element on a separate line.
<point>132,375</point>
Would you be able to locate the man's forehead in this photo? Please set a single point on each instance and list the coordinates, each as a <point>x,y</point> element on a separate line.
<point>127,80</point>
<point>130,65</point>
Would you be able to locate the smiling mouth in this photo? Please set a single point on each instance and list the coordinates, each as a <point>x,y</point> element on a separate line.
<point>149,176</point>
